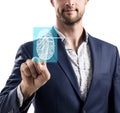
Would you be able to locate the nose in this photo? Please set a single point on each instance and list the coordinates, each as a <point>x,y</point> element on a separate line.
<point>69,2</point>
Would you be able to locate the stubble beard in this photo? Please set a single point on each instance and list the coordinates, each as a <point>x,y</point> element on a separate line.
<point>67,20</point>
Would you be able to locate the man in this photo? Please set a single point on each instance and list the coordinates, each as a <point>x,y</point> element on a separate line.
<point>85,78</point>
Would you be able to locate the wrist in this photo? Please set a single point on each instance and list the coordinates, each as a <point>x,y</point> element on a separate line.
<point>26,91</point>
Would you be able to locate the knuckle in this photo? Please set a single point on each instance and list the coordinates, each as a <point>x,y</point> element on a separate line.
<point>24,69</point>
<point>29,62</point>
<point>23,66</point>
<point>48,77</point>
<point>31,68</point>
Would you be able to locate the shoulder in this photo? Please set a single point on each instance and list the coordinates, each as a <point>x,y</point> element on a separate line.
<point>28,44</point>
<point>106,48</point>
<point>26,49</point>
<point>100,43</point>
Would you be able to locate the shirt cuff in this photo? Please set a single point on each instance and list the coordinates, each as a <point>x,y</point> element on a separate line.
<point>20,96</point>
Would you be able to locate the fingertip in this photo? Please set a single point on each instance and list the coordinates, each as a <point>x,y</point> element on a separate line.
<point>43,63</point>
<point>35,59</point>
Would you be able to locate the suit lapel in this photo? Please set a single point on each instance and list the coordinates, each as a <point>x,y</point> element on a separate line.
<point>64,63</point>
<point>95,49</point>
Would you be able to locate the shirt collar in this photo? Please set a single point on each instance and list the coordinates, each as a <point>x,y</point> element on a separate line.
<point>63,38</point>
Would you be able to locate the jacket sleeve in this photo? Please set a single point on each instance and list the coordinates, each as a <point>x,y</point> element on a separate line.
<point>114,97</point>
<point>8,96</point>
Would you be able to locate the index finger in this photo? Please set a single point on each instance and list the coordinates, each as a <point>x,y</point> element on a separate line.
<point>37,63</point>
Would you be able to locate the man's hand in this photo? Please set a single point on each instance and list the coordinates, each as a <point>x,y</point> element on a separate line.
<point>34,75</point>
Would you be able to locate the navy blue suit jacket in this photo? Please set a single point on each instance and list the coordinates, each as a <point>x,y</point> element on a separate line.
<point>61,94</point>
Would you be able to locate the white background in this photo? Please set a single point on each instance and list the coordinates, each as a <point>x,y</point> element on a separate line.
<point>18,17</point>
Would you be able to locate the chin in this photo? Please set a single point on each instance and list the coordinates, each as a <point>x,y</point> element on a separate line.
<point>71,21</point>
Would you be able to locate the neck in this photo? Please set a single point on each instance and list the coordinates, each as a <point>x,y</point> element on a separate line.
<point>73,33</point>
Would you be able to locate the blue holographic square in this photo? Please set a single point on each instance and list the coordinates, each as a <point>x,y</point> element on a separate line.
<point>44,45</point>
